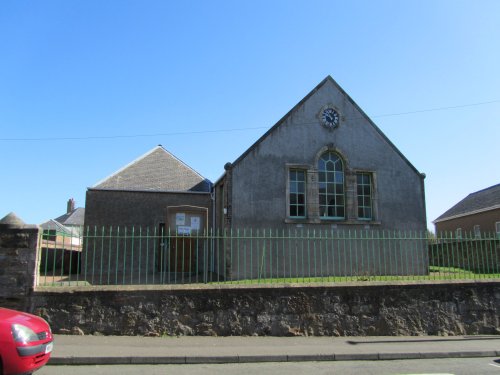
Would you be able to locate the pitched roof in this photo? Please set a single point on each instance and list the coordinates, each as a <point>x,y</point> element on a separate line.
<point>313,91</point>
<point>157,170</point>
<point>482,200</point>
<point>74,217</point>
<point>55,225</point>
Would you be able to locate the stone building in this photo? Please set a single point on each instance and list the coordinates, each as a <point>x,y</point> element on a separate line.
<point>324,165</point>
<point>324,169</point>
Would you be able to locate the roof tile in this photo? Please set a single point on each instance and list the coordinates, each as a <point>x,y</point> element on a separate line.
<point>480,200</point>
<point>157,170</point>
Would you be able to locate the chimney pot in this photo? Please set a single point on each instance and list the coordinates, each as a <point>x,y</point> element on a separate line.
<point>71,206</point>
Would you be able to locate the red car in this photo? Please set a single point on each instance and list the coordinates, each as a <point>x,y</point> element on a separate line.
<point>25,342</point>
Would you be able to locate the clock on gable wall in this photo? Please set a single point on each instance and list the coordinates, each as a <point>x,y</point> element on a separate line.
<point>329,117</point>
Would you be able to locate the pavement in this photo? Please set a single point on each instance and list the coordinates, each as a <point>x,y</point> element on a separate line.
<point>118,350</point>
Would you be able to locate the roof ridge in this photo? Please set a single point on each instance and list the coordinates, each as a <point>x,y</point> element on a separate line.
<point>69,216</point>
<point>282,119</point>
<point>57,225</point>
<point>128,165</point>
<point>158,170</point>
<point>483,190</point>
<point>470,203</point>
<point>182,162</point>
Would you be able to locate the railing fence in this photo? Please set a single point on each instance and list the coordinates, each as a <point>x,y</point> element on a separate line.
<point>139,256</point>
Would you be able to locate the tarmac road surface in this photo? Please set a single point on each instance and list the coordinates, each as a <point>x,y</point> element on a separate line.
<point>122,350</point>
<point>460,366</point>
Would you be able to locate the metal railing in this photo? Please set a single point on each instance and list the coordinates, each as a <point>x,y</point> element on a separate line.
<point>141,256</point>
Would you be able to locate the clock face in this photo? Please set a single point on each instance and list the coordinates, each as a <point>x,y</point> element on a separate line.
<point>330,118</point>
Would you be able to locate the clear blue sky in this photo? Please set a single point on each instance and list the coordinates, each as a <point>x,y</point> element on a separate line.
<point>88,86</point>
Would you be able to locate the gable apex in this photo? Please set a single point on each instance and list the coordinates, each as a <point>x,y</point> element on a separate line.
<point>328,80</point>
<point>156,170</point>
<point>284,118</point>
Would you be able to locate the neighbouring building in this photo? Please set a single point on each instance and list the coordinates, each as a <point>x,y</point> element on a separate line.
<point>71,223</point>
<point>130,214</point>
<point>140,193</point>
<point>72,220</point>
<point>473,216</point>
<point>61,242</point>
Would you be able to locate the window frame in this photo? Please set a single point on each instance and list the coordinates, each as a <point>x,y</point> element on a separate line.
<point>315,186</point>
<point>364,196</point>
<point>49,235</point>
<point>302,169</point>
<point>328,196</point>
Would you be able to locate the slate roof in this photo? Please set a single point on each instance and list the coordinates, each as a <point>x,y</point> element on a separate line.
<point>157,170</point>
<point>74,217</point>
<point>482,200</point>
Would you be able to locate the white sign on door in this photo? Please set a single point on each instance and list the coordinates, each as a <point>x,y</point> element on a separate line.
<point>180,218</point>
<point>195,223</point>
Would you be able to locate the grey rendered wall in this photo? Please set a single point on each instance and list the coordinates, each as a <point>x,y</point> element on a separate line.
<point>259,179</point>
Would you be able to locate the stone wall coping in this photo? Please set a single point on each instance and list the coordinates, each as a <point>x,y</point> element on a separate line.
<point>19,227</point>
<point>297,286</point>
<point>11,220</point>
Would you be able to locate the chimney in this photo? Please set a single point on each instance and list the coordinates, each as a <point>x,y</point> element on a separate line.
<point>71,206</point>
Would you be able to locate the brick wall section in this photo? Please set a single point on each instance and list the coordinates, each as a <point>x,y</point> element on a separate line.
<point>348,310</point>
<point>18,244</point>
<point>486,221</point>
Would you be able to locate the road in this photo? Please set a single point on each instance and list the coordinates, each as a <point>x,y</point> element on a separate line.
<point>465,366</point>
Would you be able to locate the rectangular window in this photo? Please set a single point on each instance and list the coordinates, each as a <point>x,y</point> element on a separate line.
<point>297,193</point>
<point>497,228</point>
<point>477,231</point>
<point>364,194</point>
<point>459,233</point>
<point>49,234</point>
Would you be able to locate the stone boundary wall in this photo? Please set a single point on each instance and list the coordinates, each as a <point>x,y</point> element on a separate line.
<point>459,308</point>
<point>18,261</point>
<point>424,308</point>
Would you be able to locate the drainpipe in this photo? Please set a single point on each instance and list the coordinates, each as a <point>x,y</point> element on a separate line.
<point>212,199</point>
<point>213,206</point>
<point>422,178</point>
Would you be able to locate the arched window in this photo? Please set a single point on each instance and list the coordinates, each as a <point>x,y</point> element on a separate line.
<point>331,186</point>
